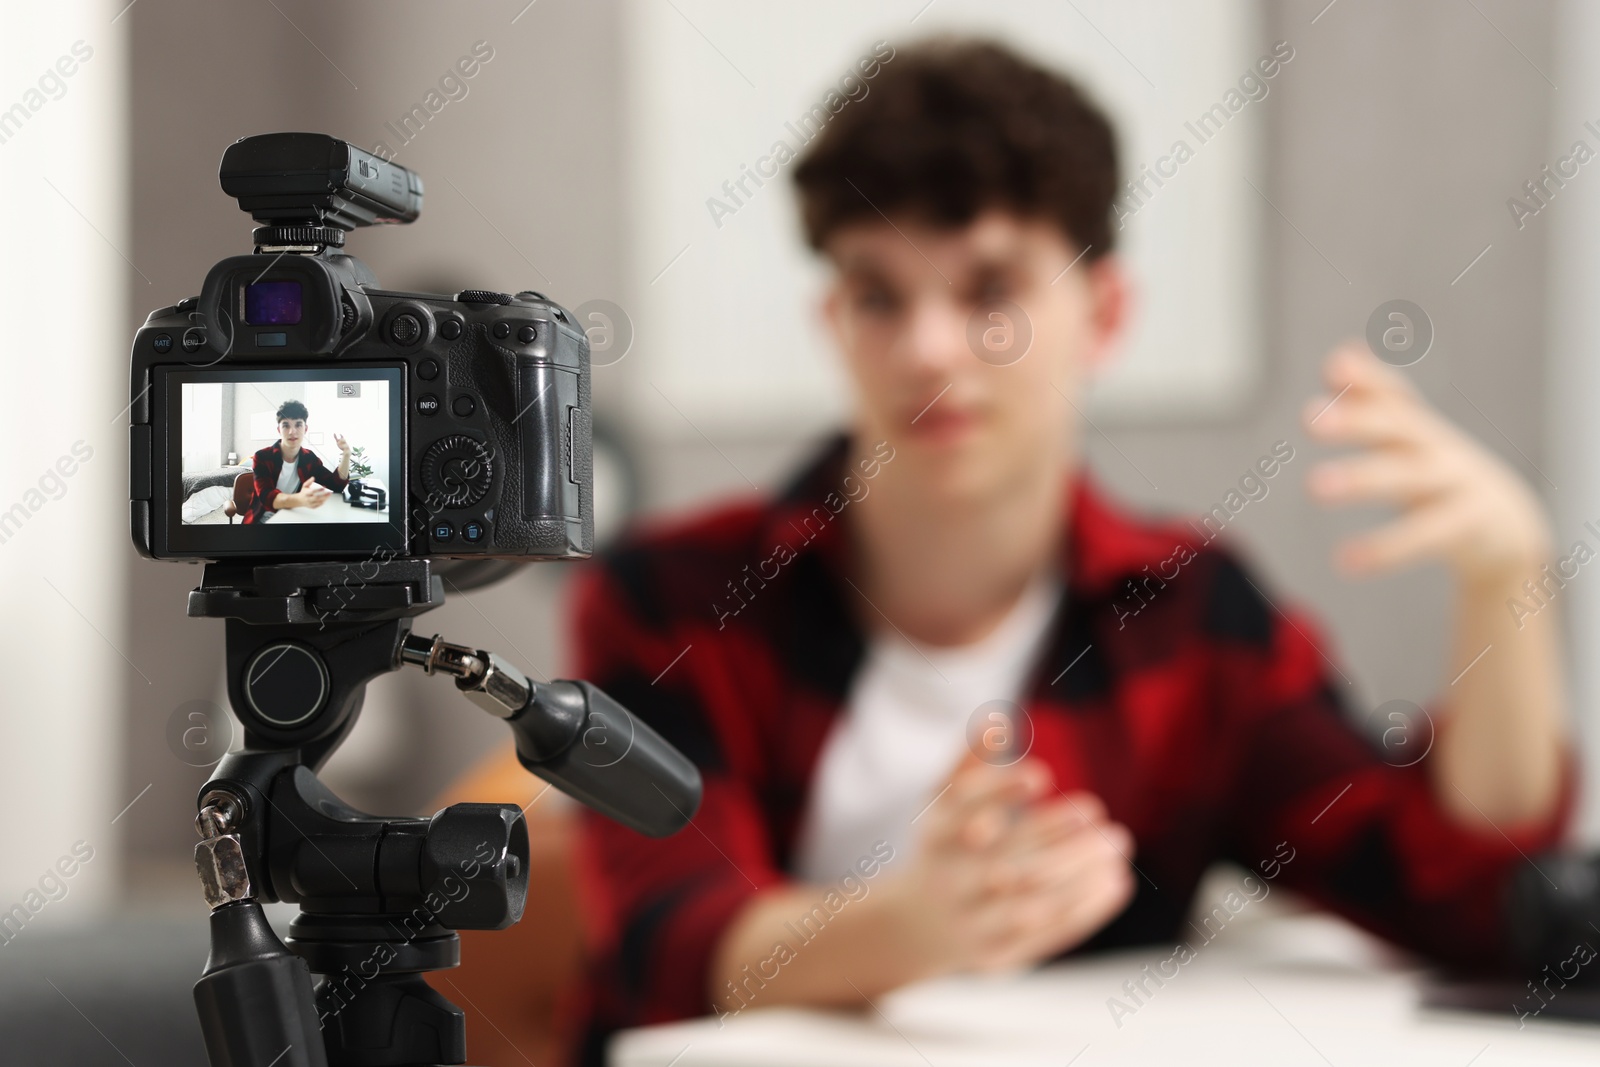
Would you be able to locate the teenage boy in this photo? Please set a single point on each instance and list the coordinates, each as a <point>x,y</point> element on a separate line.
<point>289,475</point>
<point>841,661</point>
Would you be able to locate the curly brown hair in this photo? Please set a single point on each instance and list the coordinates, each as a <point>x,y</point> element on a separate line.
<point>956,125</point>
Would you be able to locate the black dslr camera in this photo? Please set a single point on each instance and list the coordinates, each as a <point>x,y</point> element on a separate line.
<point>381,432</point>
<point>472,411</point>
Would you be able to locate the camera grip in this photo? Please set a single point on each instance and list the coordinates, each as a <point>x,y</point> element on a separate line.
<point>589,746</point>
<point>539,438</point>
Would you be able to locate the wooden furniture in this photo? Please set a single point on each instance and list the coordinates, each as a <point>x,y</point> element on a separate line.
<point>244,489</point>
<point>515,984</point>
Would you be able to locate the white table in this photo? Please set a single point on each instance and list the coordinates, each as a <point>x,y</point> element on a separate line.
<point>335,509</point>
<point>1280,990</point>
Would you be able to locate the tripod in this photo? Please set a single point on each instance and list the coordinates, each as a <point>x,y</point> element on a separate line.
<point>380,898</point>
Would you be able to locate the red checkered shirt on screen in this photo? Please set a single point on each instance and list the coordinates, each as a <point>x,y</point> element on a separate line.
<point>267,467</point>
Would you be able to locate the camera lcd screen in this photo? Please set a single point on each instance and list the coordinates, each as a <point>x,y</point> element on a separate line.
<point>273,303</point>
<point>305,461</point>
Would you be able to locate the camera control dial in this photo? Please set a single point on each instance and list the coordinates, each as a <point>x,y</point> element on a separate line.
<point>456,472</point>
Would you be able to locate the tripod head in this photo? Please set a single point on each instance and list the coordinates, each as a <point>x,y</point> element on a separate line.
<point>380,898</point>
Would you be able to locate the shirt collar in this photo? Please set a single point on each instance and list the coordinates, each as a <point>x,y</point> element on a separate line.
<point>1103,547</point>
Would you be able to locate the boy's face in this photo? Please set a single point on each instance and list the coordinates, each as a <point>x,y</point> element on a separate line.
<point>291,431</point>
<point>969,347</point>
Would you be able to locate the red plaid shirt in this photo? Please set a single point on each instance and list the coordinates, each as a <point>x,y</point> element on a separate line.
<point>1211,725</point>
<point>267,467</point>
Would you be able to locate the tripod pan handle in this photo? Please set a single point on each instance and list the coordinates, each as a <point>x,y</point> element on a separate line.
<point>255,999</point>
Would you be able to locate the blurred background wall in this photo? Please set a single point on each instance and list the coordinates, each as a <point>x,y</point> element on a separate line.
<point>1388,149</point>
<point>65,285</point>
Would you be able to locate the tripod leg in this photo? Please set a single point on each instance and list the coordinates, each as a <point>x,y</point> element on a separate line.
<point>395,1020</point>
<point>254,999</point>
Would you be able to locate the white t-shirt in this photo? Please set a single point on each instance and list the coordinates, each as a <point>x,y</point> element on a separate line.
<point>904,728</point>
<point>289,477</point>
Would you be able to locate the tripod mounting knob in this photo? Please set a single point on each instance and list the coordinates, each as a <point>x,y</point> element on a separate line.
<point>474,866</point>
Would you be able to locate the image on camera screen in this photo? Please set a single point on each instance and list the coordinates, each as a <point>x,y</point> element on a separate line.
<point>277,452</point>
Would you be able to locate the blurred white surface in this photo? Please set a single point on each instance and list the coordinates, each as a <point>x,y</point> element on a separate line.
<point>1301,989</point>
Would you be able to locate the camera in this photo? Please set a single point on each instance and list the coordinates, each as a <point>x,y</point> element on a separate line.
<point>403,428</point>
<point>362,422</point>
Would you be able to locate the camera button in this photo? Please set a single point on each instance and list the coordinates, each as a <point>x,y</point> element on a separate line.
<point>427,404</point>
<point>472,531</point>
<point>405,329</point>
<point>527,334</point>
<point>450,329</point>
<point>162,342</point>
<point>482,296</point>
<point>194,339</point>
<point>428,370</point>
<point>463,406</point>
<point>502,330</point>
<point>443,531</point>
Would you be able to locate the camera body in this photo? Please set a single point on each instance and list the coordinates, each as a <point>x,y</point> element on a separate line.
<point>472,411</point>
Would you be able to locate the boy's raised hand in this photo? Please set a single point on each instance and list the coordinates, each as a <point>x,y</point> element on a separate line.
<point>1458,501</point>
